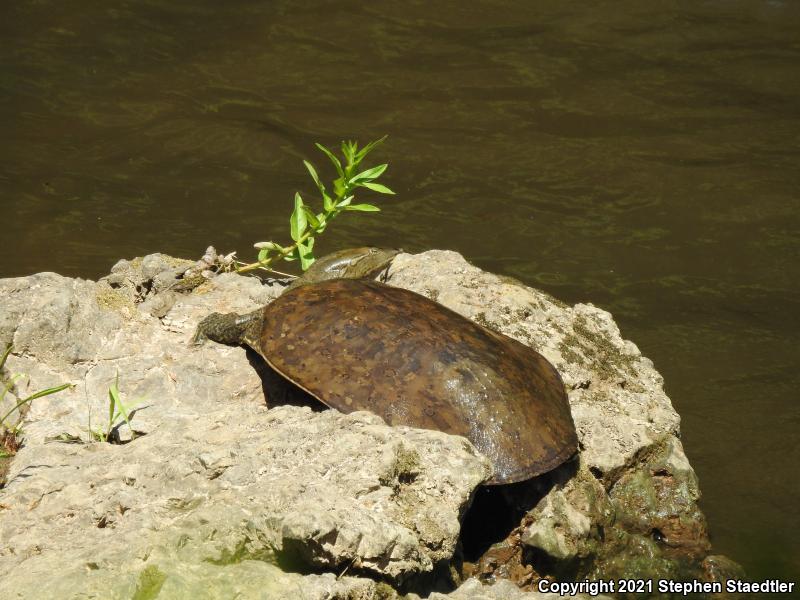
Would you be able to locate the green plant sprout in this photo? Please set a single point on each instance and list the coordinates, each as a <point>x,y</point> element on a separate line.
<point>117,412</point>
<point>9,436</point>
<point>305,225</point>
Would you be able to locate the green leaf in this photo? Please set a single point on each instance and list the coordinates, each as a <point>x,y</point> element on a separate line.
<point>339,187</point>
<point>366,149</point>
<point>113,394</point>
<point>293,255</point>
<point>377,187</point>
<point>349,151</point>
<point>113,398</point>
<point>268,246</point>
<point>333,159</point>
<point>124,413</point>
<point>327,201</point>
<point>297,222</point>
<point>33,396</point>
<point>310,216</point>
<point>363,207</point>
<point>49,391</point>
<point>369,174</point>
<point>345,202</point>
<point>306,253</point>
<point>314,176</point>
<point>262,254</point>
<point>323,222</point>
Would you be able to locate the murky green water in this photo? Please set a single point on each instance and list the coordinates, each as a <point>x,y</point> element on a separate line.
<point>641,156</point>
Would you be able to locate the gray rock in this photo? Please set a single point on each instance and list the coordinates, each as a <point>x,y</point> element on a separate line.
<point>565,522</point>
<point>282,485</point>
<point>213,493</point>
<point>160,576</point>
<point>616,395</point>
<point>634,493</point>
<point>213,477</point>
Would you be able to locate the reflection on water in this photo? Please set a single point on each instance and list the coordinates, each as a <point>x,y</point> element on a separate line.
<point>640,156</point>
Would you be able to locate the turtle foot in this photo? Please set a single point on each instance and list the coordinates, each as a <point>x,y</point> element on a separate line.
<point>228,328</point>
<point>217,327</point>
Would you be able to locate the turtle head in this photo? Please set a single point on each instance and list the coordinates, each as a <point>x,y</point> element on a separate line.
<point>351,263</point>
<point>356,263</point>
<point>228,328</point>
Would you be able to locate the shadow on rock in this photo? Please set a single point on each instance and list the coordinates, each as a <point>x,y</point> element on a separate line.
<point>279,391</point>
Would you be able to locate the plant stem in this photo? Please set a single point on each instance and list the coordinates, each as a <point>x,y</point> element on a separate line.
<point>241,264</point>
<point>268,261</point>
<point>311,231</point>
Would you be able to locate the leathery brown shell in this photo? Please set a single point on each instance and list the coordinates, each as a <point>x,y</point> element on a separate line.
<point>362,345</point>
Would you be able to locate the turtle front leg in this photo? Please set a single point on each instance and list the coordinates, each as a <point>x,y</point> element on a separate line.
<point>228,328</point>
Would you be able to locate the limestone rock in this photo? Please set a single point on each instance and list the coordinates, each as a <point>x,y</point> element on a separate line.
<point>210,475</point>
<point>617,397</point>
<point>212,493</point>
<point>629,508</point>
<point>569,521</point>
<point>283,486</point>
<point>172,579</point>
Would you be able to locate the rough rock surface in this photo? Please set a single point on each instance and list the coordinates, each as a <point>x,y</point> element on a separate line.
<point>628,506</point>
<point>617,396</point>
<point>214,493</point>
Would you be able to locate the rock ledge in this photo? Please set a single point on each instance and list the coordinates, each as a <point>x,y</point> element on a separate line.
<point>215,495</point>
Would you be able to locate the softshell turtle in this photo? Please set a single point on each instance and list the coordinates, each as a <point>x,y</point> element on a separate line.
<point>357,344</point>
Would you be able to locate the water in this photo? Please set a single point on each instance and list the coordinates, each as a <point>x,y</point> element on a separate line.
<point>640,156</point>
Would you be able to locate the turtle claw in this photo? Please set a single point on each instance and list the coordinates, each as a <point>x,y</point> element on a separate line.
<point>204,328</point>
<point>198,338</point>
